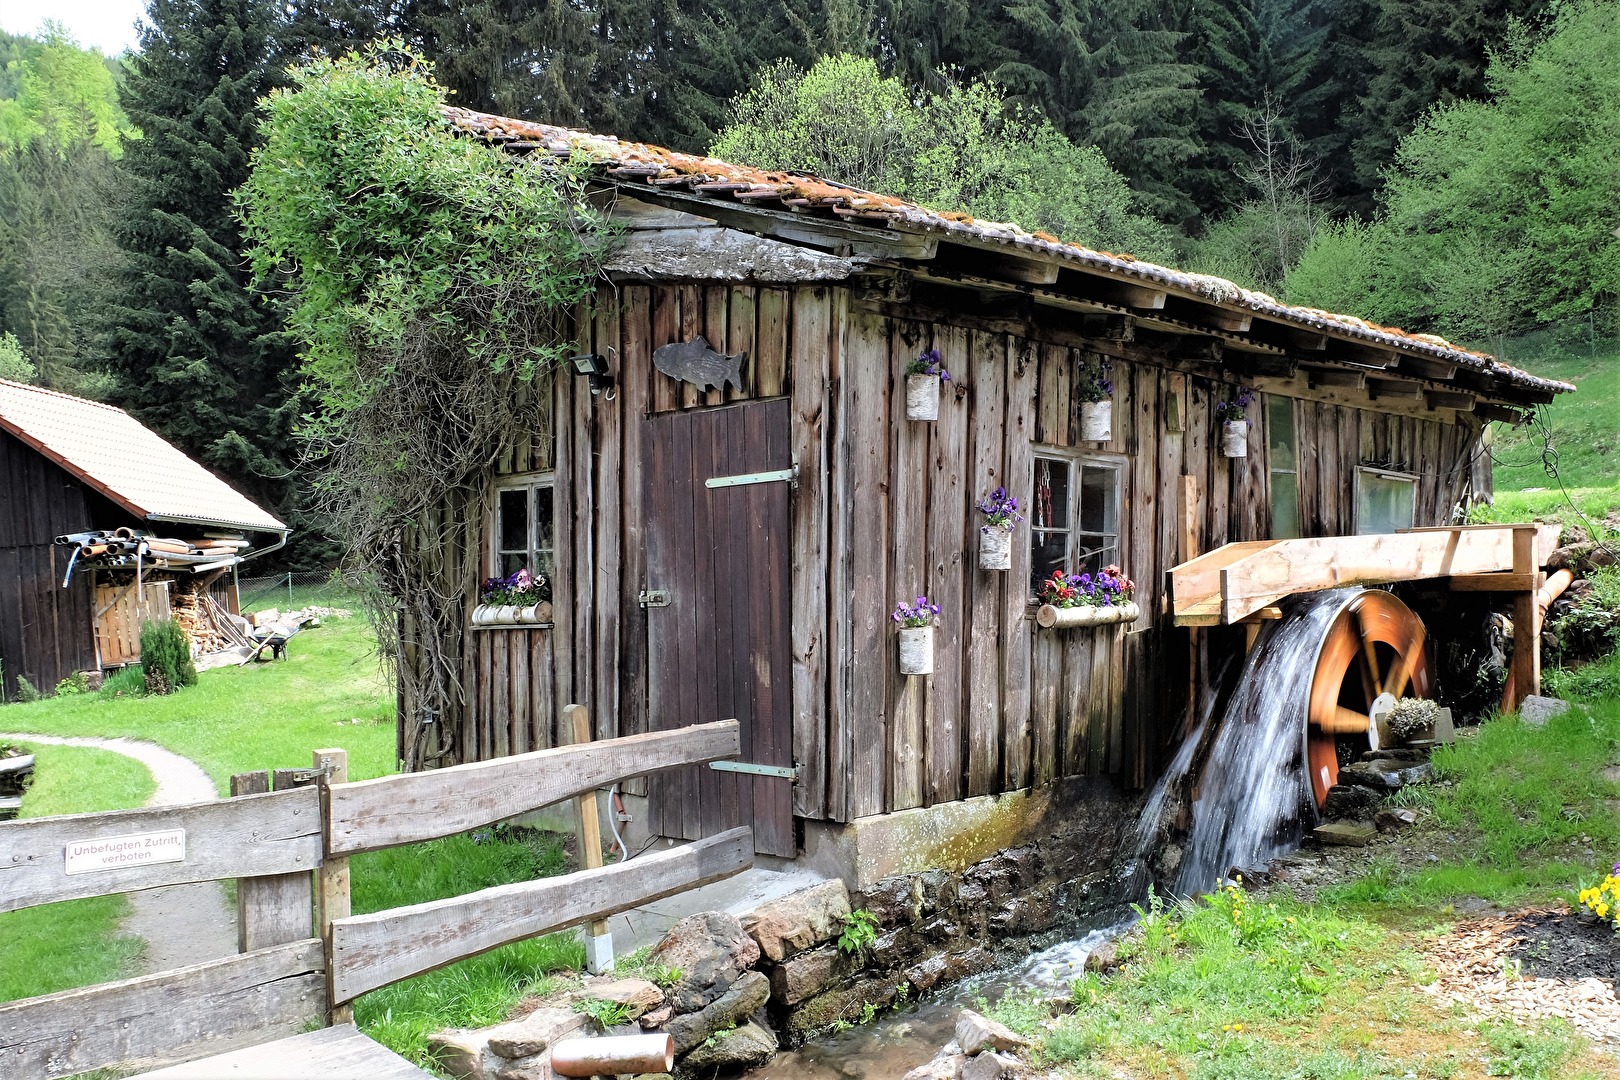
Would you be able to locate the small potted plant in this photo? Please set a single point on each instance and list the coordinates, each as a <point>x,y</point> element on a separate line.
<point>923,378</point>
<point>1087,599</point>
<point>916,622</point>
<point>1000,512</point>
<point>518,599</point>
<point>1234,428</point>
<point>1096,394</point>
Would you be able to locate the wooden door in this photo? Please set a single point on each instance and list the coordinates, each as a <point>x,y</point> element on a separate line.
<point>721,646</point>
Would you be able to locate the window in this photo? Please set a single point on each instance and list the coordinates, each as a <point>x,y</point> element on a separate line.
<point>1283,457</point>
<point>1385,501</point>
<point>1074,519</point>
<point>524,530</point>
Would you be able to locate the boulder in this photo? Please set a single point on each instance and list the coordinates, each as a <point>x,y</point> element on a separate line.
<point>657,1018</point>
<point>1537,710</point>
<point>747,994</point>
<point>990,1066</point>
<point>1385,774</point>
<point>1351,801</point>
<point>975,1033</point>
<point>1344,834</point>
<point>537,1067</point>
<point>535,1032</point>
<point>462,1054</point>
<point>1103,959</point>
<point>948,968</point>
<point>799,921</point>
<point>1394,819</point>
<point>745,1047</point>
<point>710,950</point>
<point>942,1067</point>
<point>637,995</point>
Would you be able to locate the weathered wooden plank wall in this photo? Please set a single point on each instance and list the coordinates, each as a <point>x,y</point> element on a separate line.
<point>883,511</point>
<point>46,631</point>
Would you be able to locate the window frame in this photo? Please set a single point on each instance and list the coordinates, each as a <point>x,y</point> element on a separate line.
<point>1362,471</point>
<point>496,551</point>
<point>1078,459</point>
<point>1272,471</point>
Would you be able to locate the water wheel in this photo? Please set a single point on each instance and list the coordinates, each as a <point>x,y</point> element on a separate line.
<point>1374,646</point>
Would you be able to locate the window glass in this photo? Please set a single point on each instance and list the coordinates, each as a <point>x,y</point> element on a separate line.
<point>525,528</point>
<point>1282,451</point>
<point>515,520</point>
<point>543,531</point>
<point>1079,490</point>
<point>1385,502</point>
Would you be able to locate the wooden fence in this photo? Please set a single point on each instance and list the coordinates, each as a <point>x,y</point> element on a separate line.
<point>302,955</point>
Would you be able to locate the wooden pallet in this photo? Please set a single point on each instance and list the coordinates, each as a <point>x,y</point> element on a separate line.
<point>334,1053</point>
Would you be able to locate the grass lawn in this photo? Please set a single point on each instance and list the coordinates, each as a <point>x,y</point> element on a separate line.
<point>1585,428</point>
<point>263,716</point>
<point>73,943</point>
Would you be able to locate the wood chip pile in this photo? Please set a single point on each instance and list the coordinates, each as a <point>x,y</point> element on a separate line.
<point>1476,968</point>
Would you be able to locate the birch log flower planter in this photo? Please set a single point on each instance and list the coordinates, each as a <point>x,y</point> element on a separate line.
<point>917,650</point>
<point>924,377</point>
<point>1235,438</point>
<point>1063,618</point>
<point>916,635</point>
<point>995,547</point>
<point>512,614</point>
<point>1096,421</point>
<point>515,600</point>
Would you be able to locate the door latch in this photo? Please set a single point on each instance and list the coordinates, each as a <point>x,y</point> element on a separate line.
<point>654,598</point>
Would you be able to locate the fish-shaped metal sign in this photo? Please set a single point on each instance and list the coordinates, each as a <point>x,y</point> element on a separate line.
<point>696,362</point>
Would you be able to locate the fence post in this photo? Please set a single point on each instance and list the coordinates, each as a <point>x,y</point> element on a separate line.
<point>598,939</point>
<point>334,873</point>
<point>273,909</point>
<point>289,591</point>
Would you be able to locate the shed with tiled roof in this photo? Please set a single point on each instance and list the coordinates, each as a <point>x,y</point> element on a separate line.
<point>102,523</point>
<point>729,507</point>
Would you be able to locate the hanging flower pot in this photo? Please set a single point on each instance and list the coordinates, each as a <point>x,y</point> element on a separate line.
<point>1096,421</point>
<point>923,378</point>
<point>1234,428</point>
<point>995,547</point>
<point>922,397</point>
<point>916,622</point>
<point>917,650</point>
<point>1235,438</point>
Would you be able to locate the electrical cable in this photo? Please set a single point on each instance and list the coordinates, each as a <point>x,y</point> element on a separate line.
<point>1549,465</point>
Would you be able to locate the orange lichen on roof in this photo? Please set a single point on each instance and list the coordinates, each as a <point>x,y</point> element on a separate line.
<point>662,167</point>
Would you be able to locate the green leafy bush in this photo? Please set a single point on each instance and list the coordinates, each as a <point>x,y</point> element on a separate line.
<point>26,691</point>
<point>860,931</point>
<point>127,682</point>
<point>166,657</point>
<point>76,683</point>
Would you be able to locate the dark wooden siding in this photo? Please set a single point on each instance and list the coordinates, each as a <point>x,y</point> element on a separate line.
<point>883,510</point>
<point>46,631</point>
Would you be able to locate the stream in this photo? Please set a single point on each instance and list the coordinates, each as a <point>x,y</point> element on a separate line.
<point>899,1040</point>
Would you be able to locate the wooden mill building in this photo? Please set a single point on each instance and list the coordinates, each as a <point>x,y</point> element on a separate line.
<point>737,549</point>
<point>69,465</point>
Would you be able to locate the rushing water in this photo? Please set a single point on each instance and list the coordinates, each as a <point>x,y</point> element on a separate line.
<point>1251,806</point>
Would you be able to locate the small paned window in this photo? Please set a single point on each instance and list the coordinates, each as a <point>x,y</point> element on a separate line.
<point>1074,518</point>
<point>1385,501</point>
<point>1283,454</point>
<point>524,528</point>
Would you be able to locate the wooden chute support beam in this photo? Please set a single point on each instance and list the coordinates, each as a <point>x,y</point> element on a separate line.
<point>598,939</point>
<point>1187,507</point>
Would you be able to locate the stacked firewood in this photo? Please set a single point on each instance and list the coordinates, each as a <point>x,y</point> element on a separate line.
<point>206,623</point>
<point>16,773</point>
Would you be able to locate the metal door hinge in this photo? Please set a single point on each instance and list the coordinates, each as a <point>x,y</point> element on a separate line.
<point>654,598</point>
<point>784,772</point>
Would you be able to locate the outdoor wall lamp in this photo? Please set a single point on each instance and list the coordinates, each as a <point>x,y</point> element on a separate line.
<point>594,366</point>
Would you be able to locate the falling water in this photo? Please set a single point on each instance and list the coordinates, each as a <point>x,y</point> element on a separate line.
<point>1252,805</point>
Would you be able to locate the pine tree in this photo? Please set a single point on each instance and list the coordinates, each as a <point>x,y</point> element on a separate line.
<point>194,350</point>
<point>1226,45</point>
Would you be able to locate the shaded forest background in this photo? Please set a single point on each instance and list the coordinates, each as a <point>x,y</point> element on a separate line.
<point>1447,167</point>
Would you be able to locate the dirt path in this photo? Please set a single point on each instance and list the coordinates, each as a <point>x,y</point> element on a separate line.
<point>181,924</point>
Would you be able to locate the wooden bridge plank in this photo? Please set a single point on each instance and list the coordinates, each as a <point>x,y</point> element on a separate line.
<point>369,951</point>
<point>334,1053</point>
<point>171,1016</point>
<point>394,810</point>
<point>255,835</point>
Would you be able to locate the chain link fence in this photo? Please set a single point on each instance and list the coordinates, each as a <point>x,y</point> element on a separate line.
<point>290,591</point>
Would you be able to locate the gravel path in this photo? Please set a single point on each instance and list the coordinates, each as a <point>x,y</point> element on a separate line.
<point>181,924</point>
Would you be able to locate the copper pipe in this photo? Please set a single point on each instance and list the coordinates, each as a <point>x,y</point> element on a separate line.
<point>613,1055</point>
